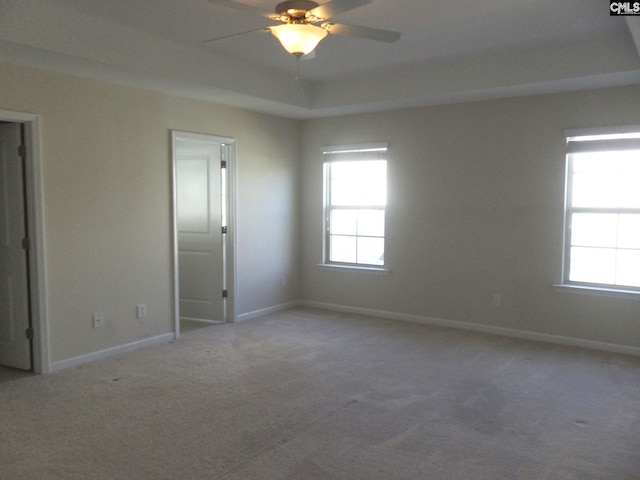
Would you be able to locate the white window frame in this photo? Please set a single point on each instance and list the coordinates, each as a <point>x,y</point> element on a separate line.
<point>340,153</point>
<point>594,140</point>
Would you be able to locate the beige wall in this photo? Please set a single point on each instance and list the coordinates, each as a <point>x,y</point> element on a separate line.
<point>475,208</point>
<point>107,195</point>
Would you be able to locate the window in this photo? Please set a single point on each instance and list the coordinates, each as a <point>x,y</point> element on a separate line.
<point>602,224</point>
<point>355,202</point>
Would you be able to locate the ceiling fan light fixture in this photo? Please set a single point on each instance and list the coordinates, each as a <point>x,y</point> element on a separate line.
<point>299,39</point>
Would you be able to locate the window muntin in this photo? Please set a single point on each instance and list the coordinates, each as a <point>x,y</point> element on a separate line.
<point>355,205</point>
<point>602,234</point>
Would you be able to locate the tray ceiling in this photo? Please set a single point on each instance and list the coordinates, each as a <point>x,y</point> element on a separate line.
<point>452,51</point>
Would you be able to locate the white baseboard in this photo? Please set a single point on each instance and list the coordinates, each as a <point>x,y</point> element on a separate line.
<point>476,327</point>
<point>265,311</point>
<point>109,352</point>
<point>202,320</point>
<point>150,342</point>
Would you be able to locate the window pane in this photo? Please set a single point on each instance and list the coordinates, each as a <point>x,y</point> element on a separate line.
<point>344,222</point>
<point>359,183</point>
<point>357,196</point>
<point>628,268</point>
<point>343,192</point>
<point>604,240</point>
<point>595,190</point>
<point>371,250</point>
<point>594,229</point>
<point>371,223</point>
<point>629,231</point>
<point>593,265</point>
<point>343,249</point>
<point>629,192</point>
<point>606,179</point>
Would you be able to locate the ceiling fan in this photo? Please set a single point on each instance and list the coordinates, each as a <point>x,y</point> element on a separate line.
<point>303,24</point>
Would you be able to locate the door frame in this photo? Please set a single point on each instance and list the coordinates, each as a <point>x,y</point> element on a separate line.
<point>35,223</point>
<point>230,250</point>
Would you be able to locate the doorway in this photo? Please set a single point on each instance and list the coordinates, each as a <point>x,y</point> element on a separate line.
<point>203,173</point>
<point>15,315</point>
<point>23,332</point>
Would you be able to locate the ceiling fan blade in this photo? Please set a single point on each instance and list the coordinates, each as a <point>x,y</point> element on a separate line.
<point>266,29</point>
<point>362,32</point>
<point>243,7</point>
<point>335,7</point>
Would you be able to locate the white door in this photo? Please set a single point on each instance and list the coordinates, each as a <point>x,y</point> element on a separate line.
<point>15,348</point>
<point>199,212</point>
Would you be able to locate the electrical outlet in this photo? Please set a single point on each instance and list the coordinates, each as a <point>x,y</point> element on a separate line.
<point>141,310</point>
<point>98,320</point>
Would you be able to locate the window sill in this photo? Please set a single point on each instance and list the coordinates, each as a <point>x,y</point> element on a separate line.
<point>352,268</point>
<point>598,291</point>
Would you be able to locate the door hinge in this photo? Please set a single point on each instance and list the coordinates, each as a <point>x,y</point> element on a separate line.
<point>25,244</point>
<point>29,333</point>
<point>224,294</point>
<point>22,152</point>
<point>223,164</point>
<point>224,230</point>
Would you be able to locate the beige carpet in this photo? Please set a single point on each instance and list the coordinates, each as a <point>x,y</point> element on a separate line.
<point>312,395</point>
<point>7,374</point>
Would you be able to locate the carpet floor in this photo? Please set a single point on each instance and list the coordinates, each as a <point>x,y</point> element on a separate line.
<point>315,395</point>
<point>7,374</point>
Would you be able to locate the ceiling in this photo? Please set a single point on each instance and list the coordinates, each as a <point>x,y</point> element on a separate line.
<point>450,51</point>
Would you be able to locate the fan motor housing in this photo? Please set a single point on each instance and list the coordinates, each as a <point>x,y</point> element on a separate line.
<point>295,8</point>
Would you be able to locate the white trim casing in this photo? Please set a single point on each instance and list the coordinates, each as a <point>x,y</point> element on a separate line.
<point>353,268</point>
<point>110,352</point>
<point>597,291</point>
<point>507,332</point>
<point>480,328</point>
<point>35,217</point>
<point>231,263</point>
<point>335,154</point>
<point>266,311</point>
<point>590,140</point>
